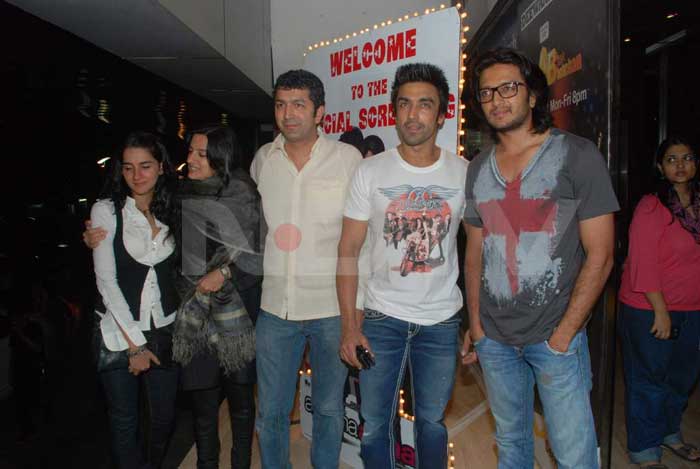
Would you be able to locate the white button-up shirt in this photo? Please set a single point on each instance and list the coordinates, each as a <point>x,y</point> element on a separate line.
<point>304,214</point>
<point>146,250</point>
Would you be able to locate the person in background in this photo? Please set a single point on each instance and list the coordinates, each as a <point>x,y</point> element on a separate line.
<point>134,269</point>
<point>660,314</point>
<point>373,145</point>
<point>354,137</point>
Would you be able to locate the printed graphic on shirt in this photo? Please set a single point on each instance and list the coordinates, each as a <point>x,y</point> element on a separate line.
<point>417,220</point>
<point>521,230</point>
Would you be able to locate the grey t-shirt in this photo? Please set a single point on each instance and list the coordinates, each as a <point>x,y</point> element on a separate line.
<point>532,250</point>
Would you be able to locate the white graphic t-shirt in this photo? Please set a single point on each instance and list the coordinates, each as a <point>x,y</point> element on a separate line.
<point>414,215</point>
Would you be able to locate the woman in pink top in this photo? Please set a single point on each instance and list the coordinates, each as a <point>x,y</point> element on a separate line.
<point>660,315</point>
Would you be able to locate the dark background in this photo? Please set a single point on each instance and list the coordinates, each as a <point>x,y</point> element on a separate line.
<point>51,136</point>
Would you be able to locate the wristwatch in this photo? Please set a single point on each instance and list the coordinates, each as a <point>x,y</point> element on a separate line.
<point>225,271</point>
<point>139,350</point>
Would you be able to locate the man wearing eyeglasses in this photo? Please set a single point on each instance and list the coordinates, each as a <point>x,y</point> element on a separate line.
<point>539,223</point>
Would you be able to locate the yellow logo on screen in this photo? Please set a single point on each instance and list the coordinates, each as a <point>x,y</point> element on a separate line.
<point>556,66</point>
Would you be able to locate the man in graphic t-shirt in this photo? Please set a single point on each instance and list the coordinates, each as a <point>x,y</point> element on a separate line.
<point>411,302</point>
<point>539,251</point>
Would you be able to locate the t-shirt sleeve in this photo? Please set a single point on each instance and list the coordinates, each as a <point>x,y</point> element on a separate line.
<point>646,230</point>
<point>592,186</point>
<point>471,213</point>
<point>357,203</point>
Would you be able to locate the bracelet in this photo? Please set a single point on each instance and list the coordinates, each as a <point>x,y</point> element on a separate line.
<point>139,350</point>
<point>225,271</point>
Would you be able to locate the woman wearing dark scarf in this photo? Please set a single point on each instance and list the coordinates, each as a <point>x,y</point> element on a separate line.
<point>214,338</point>
<point>660,315</point>
<point>134,269</point>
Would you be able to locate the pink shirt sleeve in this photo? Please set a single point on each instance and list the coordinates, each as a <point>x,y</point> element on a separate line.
<point>649,223</point>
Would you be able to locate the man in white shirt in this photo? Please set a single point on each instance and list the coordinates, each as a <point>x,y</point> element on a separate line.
<point>412,301</point>
<point>302,178</point>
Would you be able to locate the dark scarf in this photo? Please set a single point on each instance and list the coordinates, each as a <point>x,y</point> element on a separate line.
<point>228,217</point>
<point>690,224</point>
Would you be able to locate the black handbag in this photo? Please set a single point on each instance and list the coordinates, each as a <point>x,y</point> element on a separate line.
<point>106,359</point>
<point>158,341</point>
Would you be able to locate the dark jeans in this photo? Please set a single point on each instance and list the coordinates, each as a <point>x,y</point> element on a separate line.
<point>122,391</point>
<point>241,408</point>
<point>659,375</point>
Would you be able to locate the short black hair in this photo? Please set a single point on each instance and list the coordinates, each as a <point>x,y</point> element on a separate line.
<point>374,144</point>
<point>354,137</point>
<point>534,77</point>
<point>303,80</point>
<point>422,72</point>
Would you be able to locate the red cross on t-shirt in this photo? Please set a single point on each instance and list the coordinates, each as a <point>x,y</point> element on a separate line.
<point>513,215</point>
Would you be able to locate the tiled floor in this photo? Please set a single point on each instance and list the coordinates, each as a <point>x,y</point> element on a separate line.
<point>79,436</point>
<point>474,446</point>
<point>473,439</point>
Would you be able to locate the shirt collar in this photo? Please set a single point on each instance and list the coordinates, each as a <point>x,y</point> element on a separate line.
<point>130,204</point>
<point>134,213</point>
<point>319,146</point>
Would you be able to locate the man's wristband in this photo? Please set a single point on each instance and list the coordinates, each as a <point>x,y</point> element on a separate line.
<point>225,271</point>
<point>138,351</point>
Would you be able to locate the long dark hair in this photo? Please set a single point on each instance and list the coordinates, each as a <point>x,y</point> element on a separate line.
<point>163,205</point>
<point>664,190</point>
<point>535,80</point>
<point>223,151</point>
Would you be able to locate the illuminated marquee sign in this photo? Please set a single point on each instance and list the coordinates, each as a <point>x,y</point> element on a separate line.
<point>357,73</point>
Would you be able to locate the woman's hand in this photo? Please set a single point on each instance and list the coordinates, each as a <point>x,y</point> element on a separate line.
<point>662,325</point>
<point>662,321</point>
<point>212,282</point>
<point>142,362</point>
<point>93,236</point>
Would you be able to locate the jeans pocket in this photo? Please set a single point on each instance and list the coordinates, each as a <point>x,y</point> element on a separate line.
<point>374,315</point>
<point>573,347</point>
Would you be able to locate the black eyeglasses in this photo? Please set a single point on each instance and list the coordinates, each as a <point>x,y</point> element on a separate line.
<point>505,90</point>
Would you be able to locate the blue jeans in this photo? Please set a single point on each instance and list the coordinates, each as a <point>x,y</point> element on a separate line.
<point>564,385</point>
<point>122,392</point>
<point>659,375</point>
<point>279,347</point>
<point>430,353</point>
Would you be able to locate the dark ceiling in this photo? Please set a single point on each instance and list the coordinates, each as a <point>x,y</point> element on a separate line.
<point>645,22</point>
